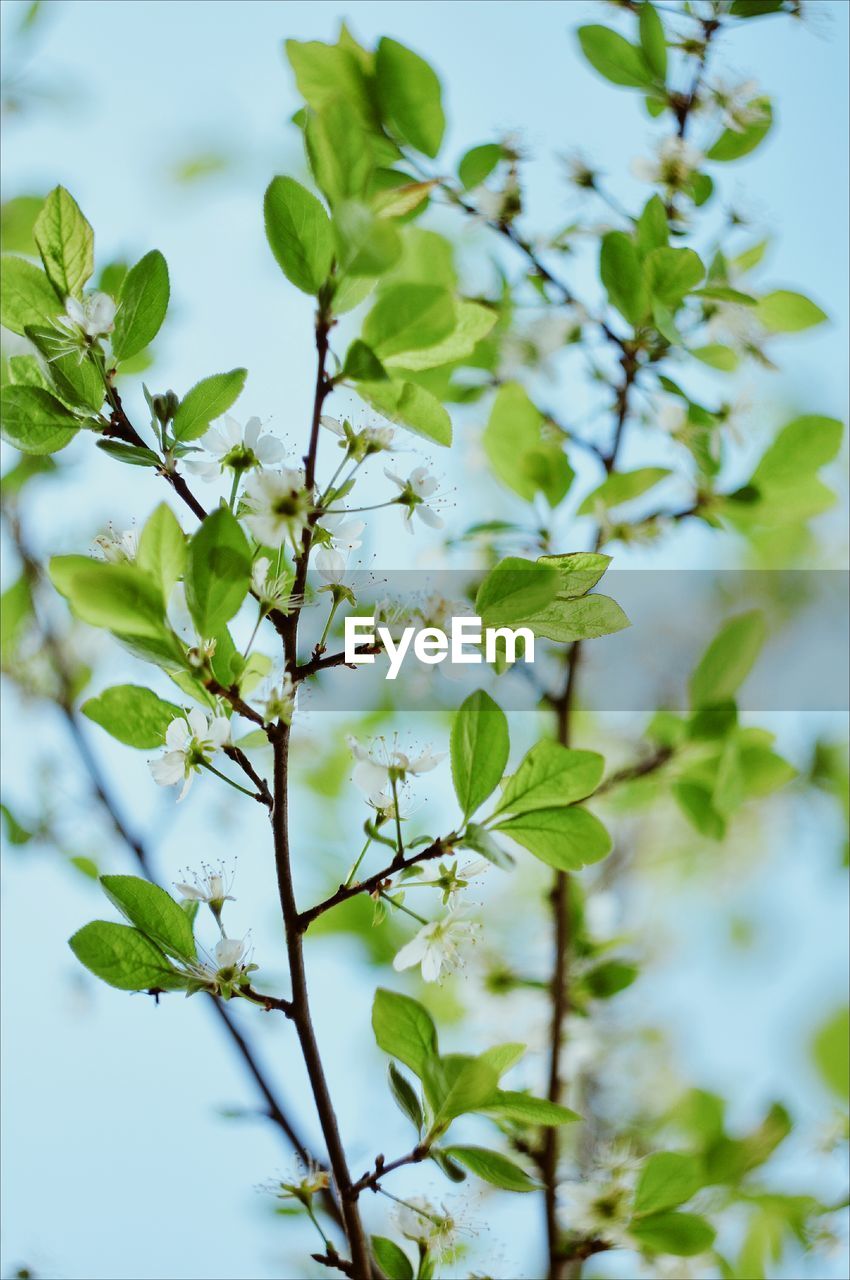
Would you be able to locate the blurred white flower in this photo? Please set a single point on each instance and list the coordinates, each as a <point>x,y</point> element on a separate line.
<point>117,548</point>
<point>437,946</point>
<point>673,165</point>
<point>280,703</point>
<point>359,444</point>
<point>414,492</point>
<point>738,104</point>
<point>426,1224</point>
<point>380,765</point>
<point>279,506</point>
<point>190,743</point>
<point>234,449</point>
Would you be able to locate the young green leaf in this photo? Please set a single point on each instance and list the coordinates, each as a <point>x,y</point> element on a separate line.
<point>667,1179</point>
<point>338,150</point>
<point>578,571</point>
<point>116,596</point>
<point>567,839</point>
<point>479,838</point>
<point>735,143</point>
<point>830,1049</point>
<point>493,1167</point>
<point>614,58</point>
<point>522,1108</point>
<point>479,750</point>
<point>622,486</point>
<point>520,455</point>
<point>728,660</point>
<point>66,243</point>
<point>585,619</point>
<point>404,1029</point>
<point>786,312</point>
<point>154,912</point>
<point>132,714</point>
<point>478,163</point>
<point>36,422</point>
<point>622,274</point>
<point>207,400</point>
<point>405,1096</point>
<point>142,306</point>
<point>392,1259</point>
<point>501,1057</point>
<point>123,957</point>
<point>162,549</point>
<point>473,322</point>
<point>407,317</point>
<point>79,383</point>
<point>551,776</point>
<point>298,230</point>
<point>515,590</point>
<point>409,96</point>
<point>653,41</point>
<point>671,273</point>
<point>682,1234</point>
<point>366,244</point>
<point>218,571</point>
<point>411,406</point>
<point>455,1085</point>
<point>27,297</point>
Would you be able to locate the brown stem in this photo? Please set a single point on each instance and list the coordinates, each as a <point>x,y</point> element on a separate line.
<point>301,1015</point>
<point>371,1181</point>
<point>346,891</point>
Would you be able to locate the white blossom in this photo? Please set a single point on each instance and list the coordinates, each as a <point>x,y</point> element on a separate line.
<point>738,104</point>
<point>189,744</point>
<point>229,952</point>
<point>673,165</point>
<point>233,448</point>
<point>280,702</point>
<point>414,492</point>
<point>380,765</point>
<point>437,946</point>
<point>340,536</point>
<point>433,1227</point>
<point>117,548</point>
<point>279,506</point>
<point>211,887</point>
<point>359,444</point>
<point>92,317</point>
<point>600,1207</point>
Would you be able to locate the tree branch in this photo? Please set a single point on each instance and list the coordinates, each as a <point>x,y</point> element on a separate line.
<point>374,882</point>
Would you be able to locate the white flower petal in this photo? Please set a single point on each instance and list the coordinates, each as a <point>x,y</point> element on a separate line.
<point>198,723</point>
<point>177,735</point>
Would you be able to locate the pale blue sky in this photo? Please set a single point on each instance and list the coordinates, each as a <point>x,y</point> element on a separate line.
<point>101,1181</point>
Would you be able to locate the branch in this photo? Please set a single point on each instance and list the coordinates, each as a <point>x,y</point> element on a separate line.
<point>344,892</point>
<point>641,769</point>
<point>371,1181</point>
<point>321,662</point>
<point>263,794</point>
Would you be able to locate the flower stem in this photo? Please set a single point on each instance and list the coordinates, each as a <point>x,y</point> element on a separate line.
<point>353,872</point>
<point>401,907</point>
<point>212,769</point>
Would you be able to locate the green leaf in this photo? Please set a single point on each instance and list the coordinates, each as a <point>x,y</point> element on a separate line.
<point>392,1259</point>
<point>338,150</point>
<point>299,233</point>
<point>366,245</point>
<point>735,143</point>
<point>27,297</point>
<point>123,957</point>
<point>154,912</point>
<point>493,1167</point>
<point>132,714</point>
<point>566,839</point>
<point>522,1108</point>
<point>404,1029</point>
<point>79,383</point>
<point>142,306</point>
<point>614,58</point>
<point>472,323</point>
<point>551,776</point>
<point>405,1096</point>
<point>116,596</point>
<point>501,1057</point>
<point>479,750</point>
<point>17,219</point>
<point>653,41</point>
<point>361,364</point>
<point>408,317</point>
<point>34,421</point>
<point>218,572</point>
<point>66,243</point>
<point>622,486</point>
<point>207,400</point>
<point>786,312</point>
<point>327,71</point>
<point>831,1054</point>
<point>15,614</point>
<point>455,1085</point>
<point>695,801</point>
<point>411,406</point>
<point>478,163</point>
<point>728,660</point>
<point>518,452</point>
<point>162,549</point>
<point>622,275</point>
<point>513,591</point>
<point>671,273</point>
<point>682,1234</point>
<point>667,1179</point>
<point>578,571</point>
<point>652,230</point>
<point>479,839</point>
<point>409,96</point>
<point>716,356</point>
<point>567,620</point>
<point>26,371</point>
